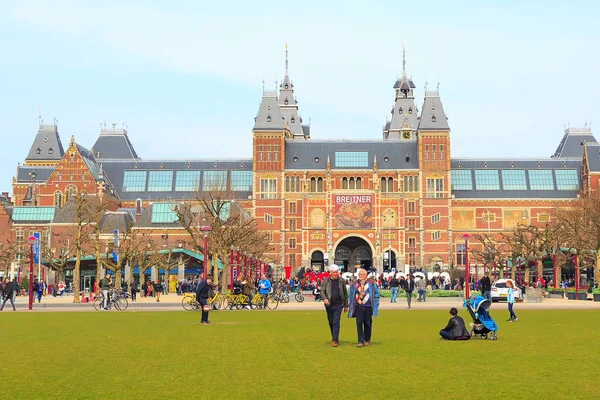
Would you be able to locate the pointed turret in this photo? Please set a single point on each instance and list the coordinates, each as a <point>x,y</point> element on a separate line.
<point>269,115</point>
<point>46,145</point>
<point>404,114</point>
<point>433,117</point>
<point>289,105</point>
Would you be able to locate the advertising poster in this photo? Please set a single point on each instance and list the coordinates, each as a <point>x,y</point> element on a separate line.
<point>353,211</point>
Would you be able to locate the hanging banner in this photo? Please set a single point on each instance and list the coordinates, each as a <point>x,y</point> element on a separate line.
<point>353,211</point>
<point>36,248</point>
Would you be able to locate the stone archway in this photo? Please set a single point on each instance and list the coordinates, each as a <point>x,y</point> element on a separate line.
<point>353,252</point>
<point>317,260</point>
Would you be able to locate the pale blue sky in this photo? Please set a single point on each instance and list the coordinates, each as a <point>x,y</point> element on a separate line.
<point>186,78</point>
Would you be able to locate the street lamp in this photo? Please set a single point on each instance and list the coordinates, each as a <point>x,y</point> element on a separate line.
<point>32,240</point>
<point>206,230</point>
<point>466,237</point>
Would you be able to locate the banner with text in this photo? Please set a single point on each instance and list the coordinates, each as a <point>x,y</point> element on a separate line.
<point>353,211</point>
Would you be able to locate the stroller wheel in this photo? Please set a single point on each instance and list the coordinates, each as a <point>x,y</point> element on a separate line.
<point>484,336</point>
<point>494,336</point>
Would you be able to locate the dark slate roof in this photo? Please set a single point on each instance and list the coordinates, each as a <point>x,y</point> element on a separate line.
<point>114,143</point>
<point>593,156</point>
<point>269,115</point>
<point>67,214</point>
<point>516,164</point>
<point>307,150</point>
<point>306,130</point>
<point>572,142</point>
<point>90,161</point>
<point>120,220</point>
<point>433,116</point>
<point>114,171</point>
<point>42,173</point>
<point>48,142</point>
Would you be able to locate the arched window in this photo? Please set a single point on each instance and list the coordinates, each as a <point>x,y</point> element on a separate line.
<point>410,184</point>
<point>313,185</point>
<point>344,183</point>
<point>359,183</point>
<point>297,184</point>
<point>390,184</point>
<point>383,185</point>
<point>287,183</point>
<point>50,150</point>
<point>320,185</point>
<point>72,157</point>
<point>38,151</point>
<point>406,183</point>
<point>351,183</point>
<point>70,190</point>
<point>58,198</point>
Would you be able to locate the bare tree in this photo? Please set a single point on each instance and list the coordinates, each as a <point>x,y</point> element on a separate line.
<point>57,258</point>
<point>8,253</point>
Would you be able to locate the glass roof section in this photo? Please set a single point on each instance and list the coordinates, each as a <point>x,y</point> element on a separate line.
<point>187,181</point>
<point>514,179</point>
<point>27,214</point>
<point>134,181</point>
<point>487,179</point>
<point>567,179</point>
<point>241,181</point>
<point>461,179</point>
<point>352,159</point>
<point>214,180</point>
<point>541,179</point>
<point>160,181</point>
<point>164,213</point>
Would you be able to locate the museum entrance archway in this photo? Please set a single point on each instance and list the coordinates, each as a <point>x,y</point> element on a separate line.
<point>317,260</point>
<point>353,253</point>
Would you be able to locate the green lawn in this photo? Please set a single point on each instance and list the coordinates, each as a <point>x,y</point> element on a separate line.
<point>287,354</point>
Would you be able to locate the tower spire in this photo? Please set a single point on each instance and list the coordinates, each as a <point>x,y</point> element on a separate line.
<point>286,59</point>
<point>403,61</point>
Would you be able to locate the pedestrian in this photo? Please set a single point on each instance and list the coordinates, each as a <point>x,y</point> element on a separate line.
<point>486,287</point>
<point>158,288</point>
<point>510,299</point>
<point>364,304</point>
<point>8,292</point>
<point>202,297</point>
<point>421,289</point>
<point>409,287</point>
<point>264,287</point>
<point>335,298</point>
<point>394,284</point>
<point>248,290</point>
<point>456,329</point>
<point>133,289</point>
<point>105,285</point>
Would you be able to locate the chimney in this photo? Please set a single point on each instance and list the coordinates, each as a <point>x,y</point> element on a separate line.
<point>138,209</point>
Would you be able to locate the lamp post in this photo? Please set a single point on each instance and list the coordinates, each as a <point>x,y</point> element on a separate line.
<point>32,240</point>
<point>206,230</point>
<point>466,237</point>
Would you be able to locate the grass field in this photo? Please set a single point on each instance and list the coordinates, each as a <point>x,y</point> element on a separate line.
<point>287,354</point>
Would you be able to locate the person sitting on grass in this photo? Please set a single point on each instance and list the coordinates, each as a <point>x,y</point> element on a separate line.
<point>456,329</point>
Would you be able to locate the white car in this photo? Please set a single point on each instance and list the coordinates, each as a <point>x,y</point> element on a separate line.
<point>500,291</point>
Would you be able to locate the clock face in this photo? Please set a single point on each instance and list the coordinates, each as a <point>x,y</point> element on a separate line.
<point>405,135</point>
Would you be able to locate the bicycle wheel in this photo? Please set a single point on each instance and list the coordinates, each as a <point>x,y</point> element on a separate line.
<point>188,303</point>
<point>272,302</point>
<point>299,298</point>
<point>98,303</point>
<point>121,304</point>
<point>285,298</point>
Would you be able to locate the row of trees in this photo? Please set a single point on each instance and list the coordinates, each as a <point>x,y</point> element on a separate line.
<point>575,229</point>
<point>89,234</point>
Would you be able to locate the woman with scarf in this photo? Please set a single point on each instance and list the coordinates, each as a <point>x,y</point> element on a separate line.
<point>364,304</point>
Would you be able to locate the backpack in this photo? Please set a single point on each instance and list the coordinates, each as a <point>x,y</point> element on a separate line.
<point>40,287</point>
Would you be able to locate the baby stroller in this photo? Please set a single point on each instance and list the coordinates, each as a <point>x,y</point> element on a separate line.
<point>482,321</point>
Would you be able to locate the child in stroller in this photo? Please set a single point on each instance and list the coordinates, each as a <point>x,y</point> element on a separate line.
<point>483,324</point>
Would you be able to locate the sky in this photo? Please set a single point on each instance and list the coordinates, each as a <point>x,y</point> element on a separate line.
<point>186,77</point>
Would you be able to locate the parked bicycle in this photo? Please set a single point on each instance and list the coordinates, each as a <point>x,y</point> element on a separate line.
<point>114,299</point>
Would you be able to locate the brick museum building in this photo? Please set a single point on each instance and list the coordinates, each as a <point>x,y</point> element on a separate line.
<point>397,200</point>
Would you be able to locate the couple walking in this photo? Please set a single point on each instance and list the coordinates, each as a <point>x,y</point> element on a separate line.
<point>362,304</point>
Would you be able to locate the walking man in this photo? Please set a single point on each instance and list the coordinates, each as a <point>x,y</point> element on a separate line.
<point>335,298</point>
<point>486,287</point>
<point>202,297</point>
<point>394,283</point>
<point>364,304</point>
<point>422,289</point>
<point>409,287</point>
<point>264,287</point>
<point>133,289</point>
<point>8,291</point>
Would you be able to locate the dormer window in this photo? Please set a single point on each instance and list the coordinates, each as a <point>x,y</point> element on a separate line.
<point>45,138</point>
<point>295,159</point>
<point>286,85</point>
<point>285,101</point>
<point>316,159</point>
<point>72,157</point>
<point>293,120</point>
<point>410,110</point>
<point>38,151</point>
<point>268,118</point>
<point>433,118</point>
<point>400,110</point>
<point>433,107</point>
<point>50,150</point>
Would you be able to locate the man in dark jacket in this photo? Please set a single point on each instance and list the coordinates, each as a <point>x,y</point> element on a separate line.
<point>202,297</point>
<point>394,283</point>
<point>8,290</point>
<point>456,329</point>
<point>335,298</point>
<point>408,285</point>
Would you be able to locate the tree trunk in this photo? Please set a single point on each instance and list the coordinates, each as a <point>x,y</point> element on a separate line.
<point>118,270</point>
<point>98,268</point>
<point>76,298</point>
<point>540,269</point>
